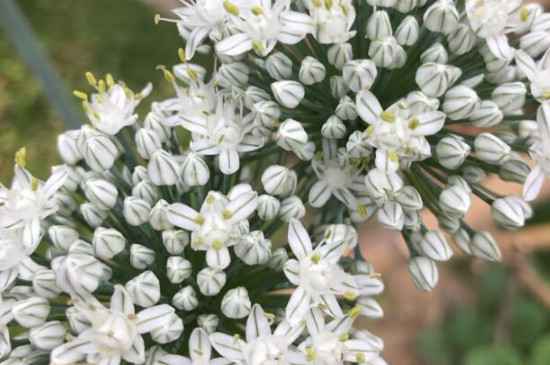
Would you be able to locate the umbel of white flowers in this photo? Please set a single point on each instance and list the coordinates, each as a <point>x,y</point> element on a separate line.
<point>220,228</point>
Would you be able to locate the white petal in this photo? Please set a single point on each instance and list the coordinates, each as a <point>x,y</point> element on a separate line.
<point>499,47</point>
<point>182,216</point>
<point>194,123</point>
<point>319,194</point>
<point>526,64</point>
<point>136,353</point>
<point>153,317</point>
<point>297,306</point>
<point>298,239</point>
<point>543,121</point>
<point>257,324</point>
<point>292,271</point>
<point>428,123</point>
<point>121,301</point>
<point>315,321</point>
<point>194,40</point>
<point>55,182</point>
<point>386,161</point>
<point>227,346</point>
<point>235,45</point>
<point>330,302</point>
<point>243,206</point>
<point>229,161</point>
<point>199,346</point>
<point>533,184</point>
<point>368,107</point>
<point>218,259</point>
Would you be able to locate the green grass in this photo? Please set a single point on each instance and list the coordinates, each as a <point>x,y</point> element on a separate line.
<point>116,36</point>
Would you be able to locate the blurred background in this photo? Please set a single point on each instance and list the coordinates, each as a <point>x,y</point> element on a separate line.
<point>479,314</point>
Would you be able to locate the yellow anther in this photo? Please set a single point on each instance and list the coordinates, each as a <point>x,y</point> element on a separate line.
<point>181,54</point>
<point>360,357</point>
<point>21,157</point>
<point>310,354</point>
<point>344,337</point>
<point>344,9</point>
<point>414,123</point>
<point>169,76</point>
<point>354,312</point>
<point>231,8</point>
<point>351,296</point>
<point>34,184</point>
<point>269,316</point>
<point>80,95</point>
<point>210,199</point>
<point>315,258</point>
<point>362,210</point>
<point>328,4</point>
<point>322,307</point>
<point>328,233</point>
<point>101,87</point>
<point>369,130</point>
<point>90,306</point>
<point>375,275</point>
<point>402,105</point>
<point>393,157</point>
<point>85,106</point>
<point>356,162</point>
<point>236,338</point>
<point>347,251</point>
<point>524,14</point>
<point>110,80</point>
<point>199,219</point>
<point>388,116</point>
<point>91,78</point>
<point>319,155</point>
<point>192,73</point>
<point>157,19</point>
<point>198,351</point>
<point>222,137</point>
<point>257,10</point>
<point>129,93</point>
<point>226,214</point>
<point>257,46</point>
<point>217,245</point>
<point>132,316</point>
<point>317,3</point>
<point>100,98</point>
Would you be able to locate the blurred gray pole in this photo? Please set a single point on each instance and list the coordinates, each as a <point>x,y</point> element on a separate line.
<point>20,31</point>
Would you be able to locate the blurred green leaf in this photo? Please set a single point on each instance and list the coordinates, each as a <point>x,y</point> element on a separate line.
<point>527,322</point>
<point>493,284</point>
<point>489,355</point>
<point>469,328</point>
<point>541,352</point>
<point>435,348</point>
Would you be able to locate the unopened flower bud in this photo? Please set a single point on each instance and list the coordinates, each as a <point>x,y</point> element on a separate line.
<point>346,109</point>
<point>491,149</point>
<point>339,54</point>
<point>279,180</point>
<point>254,248</point>
<point>175,241</point>
<point>100,152</point>
<point>473,174</point>
<point>378,25</point>
<point>136,211</point>
<point>424,273</point>
<point>442,17</point>
<point>177,269</point>
<point>108,242</point>
<point>62,236</point>
<point>68,148</point>
<point>515,169</point>
<point>434,79</point>
<point>139,174</point>
<point>338,88</point>
<point>278,259</point>
<point>369,307</point>
<point>141,256</point>
<point>435,54</point>
<point>288,93</point>
<point>163,169</point>
<point>454,201</point>
<point>48,336</point>
<point>462,239</point>
<point>460,102</point>
<point>208,322</point>
<point>409,198</point>
<point>31,312</point>
<point>291,135</point>
<point>462,40</point>
<point>292,207</point>
<point>510,96</point>
<point>102,193</point>
<point>44,284</point>
<point>211,281</point>
<point>509,212</point>
<point>333,128</point>
<point>147,191</point>
<point>434,246</point>
<point>311,71</point>
<point>307,152</point>
<point>158,217</point>
<point>484,246</point>
<point>359,74</point>
<point>195,171</point>
<point>407,32</point>
<point>233,74</point>
<point>185,299</point>
<point>170,330</point>
<point>144,289</point>
<point>236,303</point>
<point>385,52</point>
<point>452,151</point>
<point>391,215</point>
<point>279,66</point>
<point>486,115</point>
<point>147,142</point>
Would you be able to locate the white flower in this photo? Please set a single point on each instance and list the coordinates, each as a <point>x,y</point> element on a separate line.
<point>264,24</point>
<point>337,177</point>
<point>224,133</point>
<point>332,20</point>
<point>200,352</point>
<point>537,73</point>
<point>218,224</point>
<point>262,346</point>
<point>112,109</point>
<point>114,333</point>
<point>316,274</point>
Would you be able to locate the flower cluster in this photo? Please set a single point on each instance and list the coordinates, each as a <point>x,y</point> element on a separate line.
<point>180,237</point>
